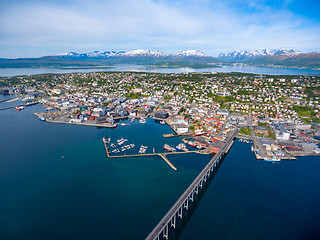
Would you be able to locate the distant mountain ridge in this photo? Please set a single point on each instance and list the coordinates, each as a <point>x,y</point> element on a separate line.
<point>134,53</point>
<point>192,58</point>
<point>277,57</point>
<point>140,56</point>
<point>245,55</point>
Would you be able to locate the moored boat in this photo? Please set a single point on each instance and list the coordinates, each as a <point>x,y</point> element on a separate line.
<point>32,103</point>
<point>142,120</point>
<point>199,132</point>
<point>192,144</point>
<point>181,147</point>
<point>168,148</point>
<point>273,159</point>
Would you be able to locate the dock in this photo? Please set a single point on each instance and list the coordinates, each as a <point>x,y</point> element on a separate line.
<point>162,155</point>
<point>81,124</point>
<point>168,135</point>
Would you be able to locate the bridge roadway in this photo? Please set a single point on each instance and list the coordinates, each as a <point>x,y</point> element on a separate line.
<point>169,220</point>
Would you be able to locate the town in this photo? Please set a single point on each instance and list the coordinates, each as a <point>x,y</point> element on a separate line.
<point>279,114</point>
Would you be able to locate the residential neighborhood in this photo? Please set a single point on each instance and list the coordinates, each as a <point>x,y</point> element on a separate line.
<point>278,113</point>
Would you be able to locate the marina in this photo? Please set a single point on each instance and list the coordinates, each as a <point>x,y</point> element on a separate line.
<point>141,153</point>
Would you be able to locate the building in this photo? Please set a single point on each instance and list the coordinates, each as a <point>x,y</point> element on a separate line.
<point>281,133</point>
<point>261,130</point>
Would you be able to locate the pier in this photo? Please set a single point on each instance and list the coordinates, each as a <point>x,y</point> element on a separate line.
<point>169,222</point>
<point>13,107</point>
<point>162,155</point>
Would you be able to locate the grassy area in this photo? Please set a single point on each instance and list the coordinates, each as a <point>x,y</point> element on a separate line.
<point>245,131</point>
<point>271,135</point>
<point>262,124</point>
<point>303,111</point>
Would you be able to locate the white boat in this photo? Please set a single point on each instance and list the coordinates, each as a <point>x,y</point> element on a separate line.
<point>199,132</point>
<point>143,149</point>
<point>162,122</point>
<point>42,118</point>
<point>28,99</point>
<point>142,120</point>
<point>273,159</point>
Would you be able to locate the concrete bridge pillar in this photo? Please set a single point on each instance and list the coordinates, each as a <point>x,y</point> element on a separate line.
<point>205,178</point>
<point>180,212</point>
<point>173,221</point>
<point>186,204</point>
<point>196,190</point>
<point>166,232</point>
<point>191,196</point>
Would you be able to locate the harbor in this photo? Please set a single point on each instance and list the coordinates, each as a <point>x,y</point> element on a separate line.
<point>137,192</point>
<point>142,153</point>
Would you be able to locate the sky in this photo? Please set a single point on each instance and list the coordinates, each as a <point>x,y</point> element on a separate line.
<point>34,28</point>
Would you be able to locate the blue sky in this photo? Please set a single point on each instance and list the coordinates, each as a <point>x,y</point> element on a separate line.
<point>37,28</point>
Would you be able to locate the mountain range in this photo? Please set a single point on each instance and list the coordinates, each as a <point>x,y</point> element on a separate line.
<point>134,53</point>
<point>238,56</point>
<point>279,57</point>
<point>147,57</point>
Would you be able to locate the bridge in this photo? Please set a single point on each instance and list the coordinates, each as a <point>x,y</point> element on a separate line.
<point>169,221</point>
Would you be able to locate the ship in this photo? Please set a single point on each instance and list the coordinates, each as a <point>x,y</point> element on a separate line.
<point>199,132</point>
<point>168,148</point>
<point>32,103</point>
<point>28,99</point>
<point>273,159</point>
<point>20,108</point>
<point>192,144</point>
<point>181,147</point>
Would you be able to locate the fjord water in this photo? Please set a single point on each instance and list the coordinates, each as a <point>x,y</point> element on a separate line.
<point>8,72</point>
<point>85,195</point>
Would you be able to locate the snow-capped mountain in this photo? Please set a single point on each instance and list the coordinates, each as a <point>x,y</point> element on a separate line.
<point>134,53</point>
<point>144,53</point>
<point>95,54</point>
<point>191,53</point>
<point>246,55</point>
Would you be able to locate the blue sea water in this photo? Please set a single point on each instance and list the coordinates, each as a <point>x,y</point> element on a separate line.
<point>85,195</point>
<point>143,68</point>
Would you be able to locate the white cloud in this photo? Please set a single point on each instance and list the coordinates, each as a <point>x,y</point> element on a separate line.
<point>209,26</point>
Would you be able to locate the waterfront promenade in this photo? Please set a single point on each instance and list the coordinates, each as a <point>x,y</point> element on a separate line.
<point>169,221</point>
